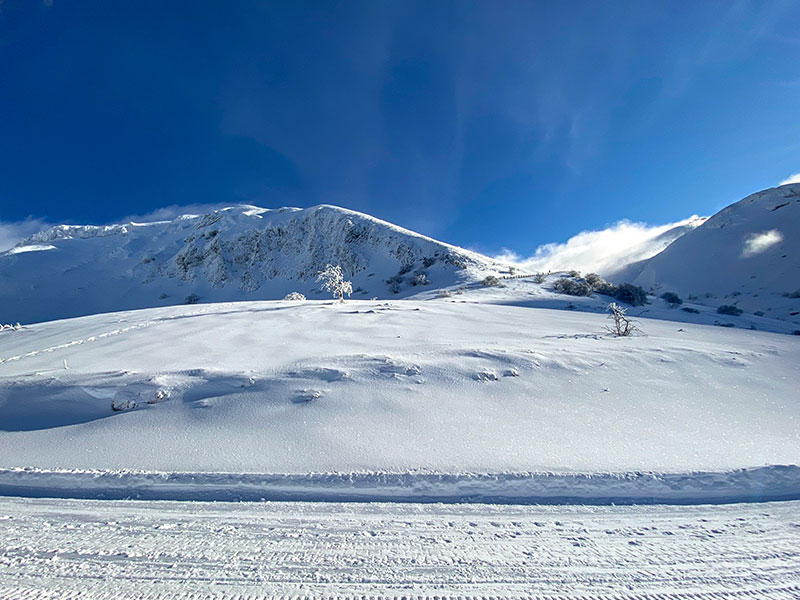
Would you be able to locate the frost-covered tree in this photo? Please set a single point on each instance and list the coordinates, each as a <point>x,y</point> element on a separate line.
<point>332,280</point>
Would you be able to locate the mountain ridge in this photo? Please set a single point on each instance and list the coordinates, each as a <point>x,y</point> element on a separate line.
<point>241,252</point>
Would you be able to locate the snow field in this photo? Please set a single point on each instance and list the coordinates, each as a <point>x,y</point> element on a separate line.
<point>403,387</point>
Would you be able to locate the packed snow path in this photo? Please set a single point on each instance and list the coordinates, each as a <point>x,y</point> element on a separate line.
<point>134,549</point>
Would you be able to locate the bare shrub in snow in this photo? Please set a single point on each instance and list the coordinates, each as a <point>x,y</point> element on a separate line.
<point>124,400</point>
<point>333,281</point>
<point>572,287</point>
<point>294,296</point>
<point>444,294</point>
<point>622,325</point>
<point>161,395</point>
<point>191,299</point>
<point>539,277</point>
<point>491,281</point>
<point>729,309</point>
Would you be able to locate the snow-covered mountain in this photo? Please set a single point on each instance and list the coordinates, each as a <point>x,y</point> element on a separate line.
<point>747,255</point>
<point>237,253</point>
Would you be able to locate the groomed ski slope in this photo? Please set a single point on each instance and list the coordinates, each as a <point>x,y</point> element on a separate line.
<point>154,550</point>
<point>443,389</point>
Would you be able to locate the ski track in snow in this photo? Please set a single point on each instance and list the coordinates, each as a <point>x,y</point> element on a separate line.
<point>151,550</point>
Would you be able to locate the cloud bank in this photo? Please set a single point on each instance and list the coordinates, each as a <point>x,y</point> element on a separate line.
<point>791,179</point>
<point>605,251</point>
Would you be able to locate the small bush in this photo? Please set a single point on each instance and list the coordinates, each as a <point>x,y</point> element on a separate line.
<point>297,296</point>
<point>491,281</point>
<point>594,280</point>
<point>796,332</point>
<point>191,299</point>
<point>794,294</point>
<point>395,284</point>
<point>729,309</point>
<point>759,313</point>
<point>574,273</point>
<point>606,289</point>
<point>572,287</point>
<point>631,294</point>
<point>672,298</point>
<point>444,294</point>
<point>539,277</point>
<point>420,279</point>
<point>624,292</point>
<point>689,309</point>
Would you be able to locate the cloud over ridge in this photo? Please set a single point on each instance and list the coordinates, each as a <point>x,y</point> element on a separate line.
<point>794,178</point>
<point>13,232</point>
<point>604,251</point>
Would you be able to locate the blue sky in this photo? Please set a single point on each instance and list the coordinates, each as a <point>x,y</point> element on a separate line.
<point>487,124</point>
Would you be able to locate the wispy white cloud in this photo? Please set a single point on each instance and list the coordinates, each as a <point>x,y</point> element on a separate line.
<point>604,251</point>
<point>11,233</point>
<point>791,179</point>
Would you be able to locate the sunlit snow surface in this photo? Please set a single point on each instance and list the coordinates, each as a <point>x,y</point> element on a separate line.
<point>396,387</point>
